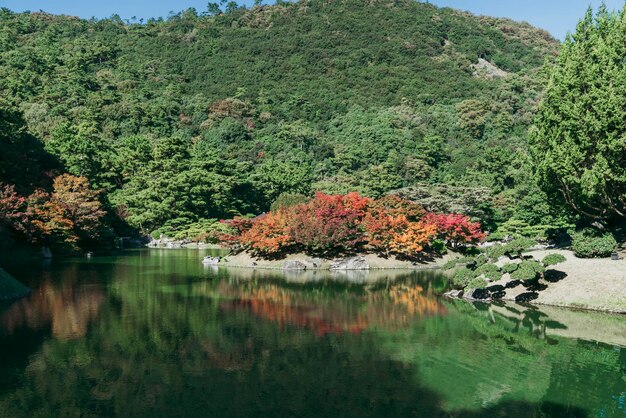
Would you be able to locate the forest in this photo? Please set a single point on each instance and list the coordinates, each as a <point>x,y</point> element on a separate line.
<point>166,126</point>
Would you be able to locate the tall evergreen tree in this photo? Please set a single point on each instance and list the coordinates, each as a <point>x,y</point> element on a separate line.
<point>579,141</point>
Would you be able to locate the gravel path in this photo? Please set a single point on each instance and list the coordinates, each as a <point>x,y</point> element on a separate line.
<point>597,284</point>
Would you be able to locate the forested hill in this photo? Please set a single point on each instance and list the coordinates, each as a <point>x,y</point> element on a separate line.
<point>212,113</point>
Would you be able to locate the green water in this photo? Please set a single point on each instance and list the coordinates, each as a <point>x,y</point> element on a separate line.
<point>154,333</point>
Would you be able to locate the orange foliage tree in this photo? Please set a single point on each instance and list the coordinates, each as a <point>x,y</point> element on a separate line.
<point>413,239</point>
<point>269,235</point>
<point>70,215</point>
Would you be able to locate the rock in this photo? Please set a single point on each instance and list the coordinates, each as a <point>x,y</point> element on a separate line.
<point>45,252</point>
<point>487,70</point>
<point>294,265</point>
<point>316,263</point>
<point>351,263</point>
<point>211,261</point>
<point>171,243</point>
<point>477,294</point>
<point>454,294</point>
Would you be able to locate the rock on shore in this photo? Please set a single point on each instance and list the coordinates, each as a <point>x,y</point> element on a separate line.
<point>305,262</point>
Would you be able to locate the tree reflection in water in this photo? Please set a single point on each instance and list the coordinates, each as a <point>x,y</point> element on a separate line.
<point>154,334</point>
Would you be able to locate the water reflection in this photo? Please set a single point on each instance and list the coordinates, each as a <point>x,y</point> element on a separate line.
<point>66,307</point>
<point>156,333</point>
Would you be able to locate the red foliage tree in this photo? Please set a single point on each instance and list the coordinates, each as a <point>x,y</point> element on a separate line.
<point>14,209</point>
<point>347,223</point>
<point>73,199</point>
<point>381,228</point>
<point>455,229</point>
<point>238,226</point>
<point>329,222</point>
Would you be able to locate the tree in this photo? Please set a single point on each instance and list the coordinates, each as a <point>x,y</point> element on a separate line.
<point>579,138</point>
<point>73,197</point>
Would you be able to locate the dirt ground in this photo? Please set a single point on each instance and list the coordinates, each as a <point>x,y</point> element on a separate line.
<point>597,284</point>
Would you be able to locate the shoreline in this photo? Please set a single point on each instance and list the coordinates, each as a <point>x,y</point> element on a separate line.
<point>302,262</point>
<point>595,285</point>
<point>591,285</point>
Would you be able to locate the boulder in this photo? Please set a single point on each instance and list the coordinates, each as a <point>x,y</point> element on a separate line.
<point>316,263</point>
<point>294,265</point>
<point>211,261</point>
<point>45,252</point>
<point>351,263</point>
<point>454,294</point>
<point>477,294</point>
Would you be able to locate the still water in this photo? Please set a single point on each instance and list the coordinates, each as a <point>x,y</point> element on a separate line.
<point>154,333</point>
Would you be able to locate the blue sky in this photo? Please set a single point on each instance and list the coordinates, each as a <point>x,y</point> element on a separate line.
<point>557,16</point>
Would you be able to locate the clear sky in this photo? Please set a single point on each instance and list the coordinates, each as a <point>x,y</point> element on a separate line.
<point>557,16</point>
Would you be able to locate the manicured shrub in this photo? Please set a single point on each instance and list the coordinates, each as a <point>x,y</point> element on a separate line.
<point>490,271</point>
<point>553,259</point>
<point>462,277</point>
<point>480,260</point>
<point>477,283</point>
<point>509,267</point>
<point>511,249</point>
<point>528,270</point>
<point>591,244</point>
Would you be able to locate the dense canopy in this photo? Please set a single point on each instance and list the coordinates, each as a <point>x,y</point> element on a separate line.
<point>216,113</point>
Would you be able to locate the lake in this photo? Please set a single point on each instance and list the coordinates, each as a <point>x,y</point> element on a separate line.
<point>154,333</point>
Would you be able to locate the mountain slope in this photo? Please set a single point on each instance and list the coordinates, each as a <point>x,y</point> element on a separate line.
<point>204,115</point>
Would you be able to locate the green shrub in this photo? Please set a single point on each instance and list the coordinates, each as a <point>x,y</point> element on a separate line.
<point>512,249</point>
<point>495,236</point>
<point>450,264</point>
<point>438,246</point>
<point>490,271</point>
<point>457,261</point>
<point>477,283</point>
<point>509,267</point>
<point>463,276</point>
<point>553,259</point>
<point>527,270</point>
<point>480,260</point>
<point>285,200</point>
<point>593,244</point>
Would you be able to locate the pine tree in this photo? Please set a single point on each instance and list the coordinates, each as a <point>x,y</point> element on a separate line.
<point>579,141</point>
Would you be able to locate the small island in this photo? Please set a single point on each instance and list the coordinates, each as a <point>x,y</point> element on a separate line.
<point>347,232</point>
